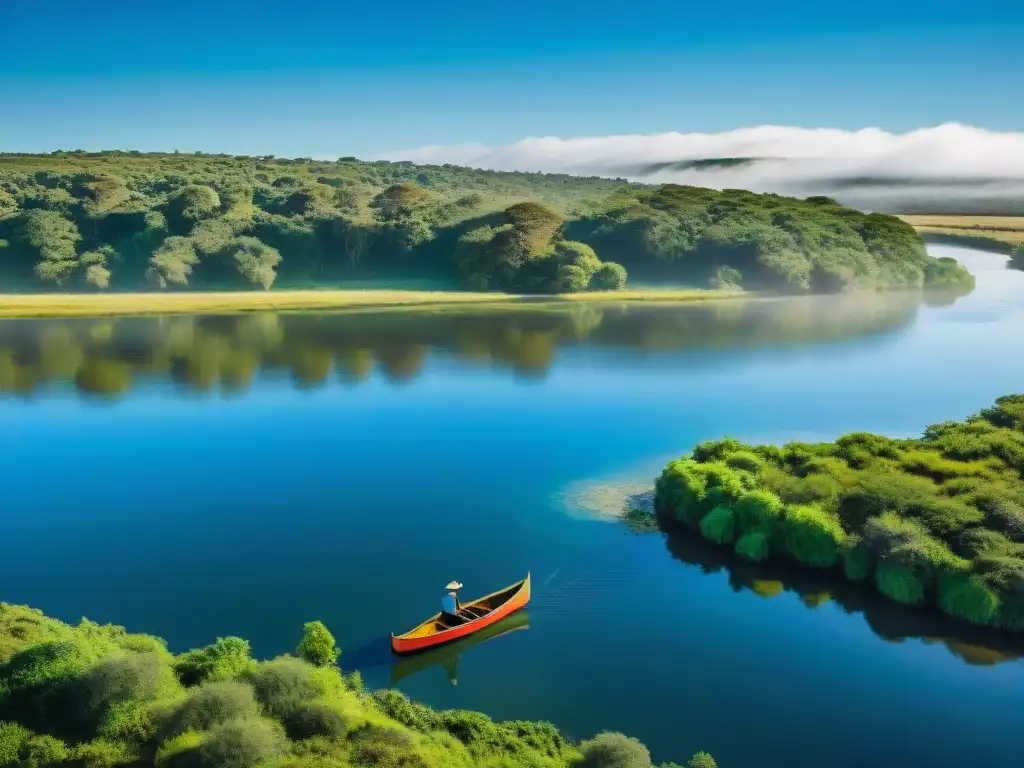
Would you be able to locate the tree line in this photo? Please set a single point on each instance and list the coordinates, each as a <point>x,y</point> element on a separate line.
<point>92,696</point>
<point>937,520</point>
<point>131,221</point>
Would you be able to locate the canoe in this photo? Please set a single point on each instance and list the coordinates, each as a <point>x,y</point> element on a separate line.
<point>447,655</point>
<point>439,629</point>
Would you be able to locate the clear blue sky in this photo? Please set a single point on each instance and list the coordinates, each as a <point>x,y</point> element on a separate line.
<point>312,77</point>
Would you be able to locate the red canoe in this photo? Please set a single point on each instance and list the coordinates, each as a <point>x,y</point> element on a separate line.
<point>441,628</point>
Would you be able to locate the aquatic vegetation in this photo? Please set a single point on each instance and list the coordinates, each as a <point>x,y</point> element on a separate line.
<point>936,520</point>
<point>98,697</point>
<point>130,221</point>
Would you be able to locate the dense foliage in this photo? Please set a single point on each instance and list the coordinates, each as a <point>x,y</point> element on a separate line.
<point>107,357</point>
<point>95,696</point>
<point>936,520</point>
<point>126,221</point>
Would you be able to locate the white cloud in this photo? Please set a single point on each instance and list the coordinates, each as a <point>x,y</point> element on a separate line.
<point>929,163</point>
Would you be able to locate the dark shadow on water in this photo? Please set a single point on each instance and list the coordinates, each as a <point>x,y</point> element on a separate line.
<point>890,621</point>
<point>378,653</point>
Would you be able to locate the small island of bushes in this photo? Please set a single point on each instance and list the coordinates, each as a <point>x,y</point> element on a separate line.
<point>937,520</point>
<point>92,696</point>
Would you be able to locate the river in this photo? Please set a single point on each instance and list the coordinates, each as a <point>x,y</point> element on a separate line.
<point>196,477</point>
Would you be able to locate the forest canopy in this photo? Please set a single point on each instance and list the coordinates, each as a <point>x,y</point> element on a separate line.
<point>95,696</point>
<point>127,221</point>
<point>937,520</point>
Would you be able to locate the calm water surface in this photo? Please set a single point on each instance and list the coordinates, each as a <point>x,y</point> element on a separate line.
<point>202,477</point>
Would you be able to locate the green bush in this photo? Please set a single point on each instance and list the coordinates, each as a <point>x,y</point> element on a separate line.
<point>701,760</point>
<point>613,750</point>
<point>242,744</point>
<point>311,719</point>
<point>811,535</point>
<point>411,714</point>
<point>212,704</point>
<point>899,583</point>
<point>757,510</point>
<point>317,645</point>
<point>42,751</point>
<point>753,546</point>
<point>225,659</point>
<point>719,525</point>
<point>856,559</point>
<point>282,684</point>
<point>608,277</point>
<point>101,753</point>
<point>12,737</point>
<point>968,597</point>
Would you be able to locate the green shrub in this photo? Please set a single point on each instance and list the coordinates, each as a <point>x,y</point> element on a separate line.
<point>212,704</point>
<point>42,751</point>
<point>613,750</point>
<point>127,721</point>
<point>701,760</point>
<point>12,737</point>
<point>311,719</point>
<point>411,714</point>
<point>753,546</point>
<point>317,645</point>
<point>123,678</point>
<point>899,583</point>
<point>181,751</point>
<point>968,597</point>
<point>757,510</point>
<point>101,753</point>
<point>608,277</point>
<point>282,684</point>
<point>226,658</point>
<point>242,744</point>
<point>745,460</point>
<point>856,559</point>
<point>811,535</point>
<point>719,525</point>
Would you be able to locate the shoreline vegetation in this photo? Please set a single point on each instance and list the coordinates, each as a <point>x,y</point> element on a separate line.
<point>935,521</point>
<point>98,697</point>
<point>131,222</point>
<point>230,302</point>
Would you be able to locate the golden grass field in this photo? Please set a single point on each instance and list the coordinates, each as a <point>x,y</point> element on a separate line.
<point>105,305</point>
<point>1003,229</point>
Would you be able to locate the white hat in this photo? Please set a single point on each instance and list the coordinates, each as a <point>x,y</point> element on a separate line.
<point>453,585</point>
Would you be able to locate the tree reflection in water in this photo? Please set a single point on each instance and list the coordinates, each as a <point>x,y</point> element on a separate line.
<point>106,357</point>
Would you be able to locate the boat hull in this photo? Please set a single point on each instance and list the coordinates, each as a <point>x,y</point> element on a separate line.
<point>411,642</point>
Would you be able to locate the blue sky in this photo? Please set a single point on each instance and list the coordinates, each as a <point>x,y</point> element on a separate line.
<point>327,78</point>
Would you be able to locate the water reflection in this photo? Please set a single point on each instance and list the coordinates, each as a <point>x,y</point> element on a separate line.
<point>890,621</point>
<point>108,357</point>
<point>377,653</point>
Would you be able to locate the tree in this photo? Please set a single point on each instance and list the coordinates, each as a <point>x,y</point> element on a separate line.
<point>613,750</point>
<point>194,203</point>
<point>53,239</point>
<point>608,277</point>
<point>255,260</point>
<point>317,645</point>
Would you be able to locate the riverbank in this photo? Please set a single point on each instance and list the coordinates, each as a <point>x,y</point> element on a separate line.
<point>231,302</point>
<point>932,521</point>
<point>994,233</point>
<point>137,704</point>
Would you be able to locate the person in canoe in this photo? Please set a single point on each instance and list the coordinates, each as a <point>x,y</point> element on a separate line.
<point>450,604</point>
